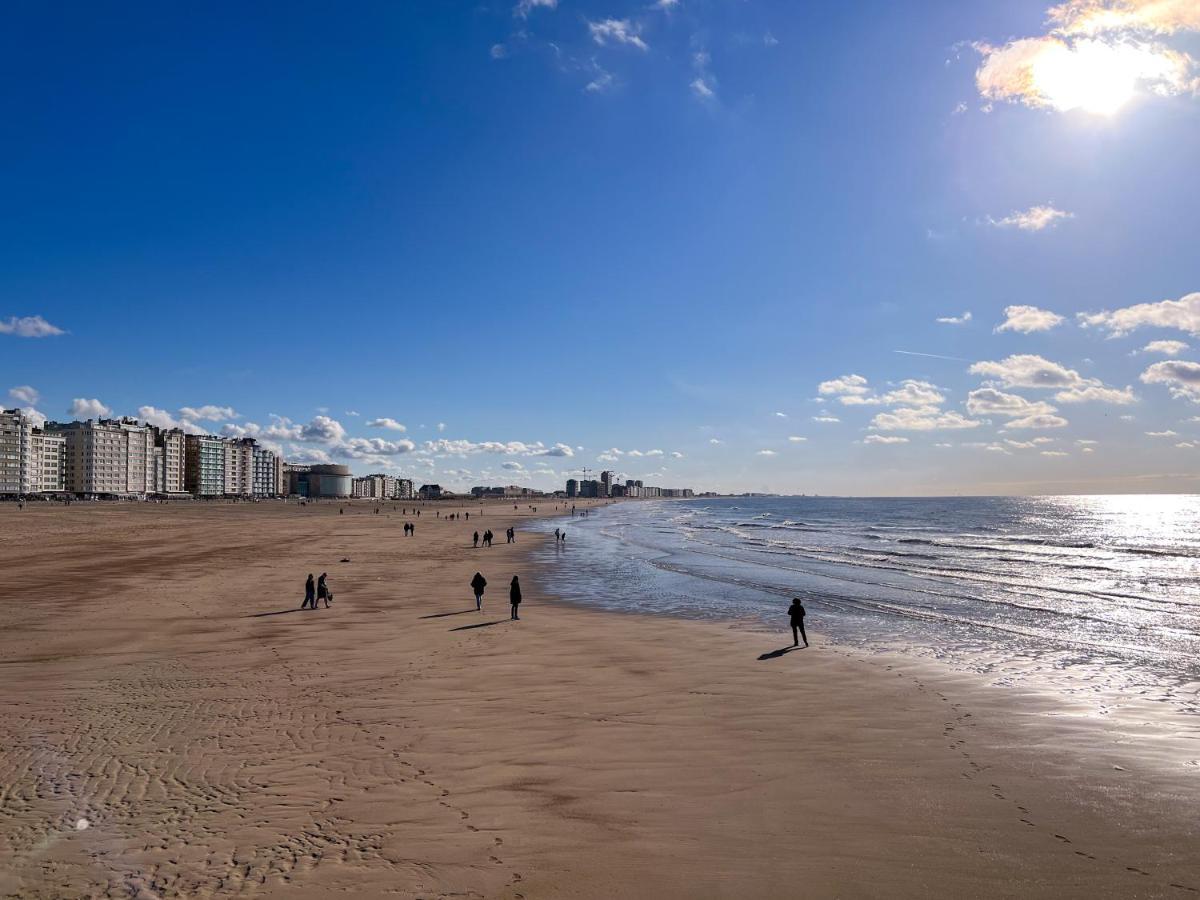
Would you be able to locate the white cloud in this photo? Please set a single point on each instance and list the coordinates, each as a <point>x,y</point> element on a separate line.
<point>622,31</point>
<point>207,413</point>
<point>352,412</point>
<point>1020,445</point>
<point>498,51</point>
<point>1103,16</point>
<point>1166,348</point>
<point>922,418</point>
<point>766,453</point>
<point>1181,378</point>
<point>1036,218</point>
<point>164,419</point>
<point>1182,314</point>
<point>702,87</point>
<point>323,430</point>
<point>846,386</point>
<point>882,439</point>
<point>780,415</point>
<point>25,393</point>
<point>441,426</point>
<point>558,450</point>
<point>1167,433</point>
<point>82,408</point>
<point>826,420</point>
<point>956,320</point>
<point>675,454</point>
<point>1028,319</point>
<point>1065,72</point>
<point>1037,421</point>
<point>601,83</point>
<point>665,5</point>
<point>308,455</point>
<point>525,7</point>
<point>388,423</point>
<point>1054,453</point>
<point>714,440</point>
<point>1186,445</point>
<point>795,439</point>
<point>992,402</point>
<point>28,327</point>
<point>360,448</point>
<point>1031,371</point>
<point>513,465</point>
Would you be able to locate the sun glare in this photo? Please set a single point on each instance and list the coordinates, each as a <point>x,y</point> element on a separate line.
<point>1095,76</point>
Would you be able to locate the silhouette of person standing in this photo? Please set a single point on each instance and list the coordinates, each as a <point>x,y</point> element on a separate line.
<point>322,592</point>
<point>796,611</point>
<point>478,583</point>
<point>476,539</point>
<point>310,594</point>
<point>514,596</point>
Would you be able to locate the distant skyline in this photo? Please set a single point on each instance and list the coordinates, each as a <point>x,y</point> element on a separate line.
<point>869,249</point>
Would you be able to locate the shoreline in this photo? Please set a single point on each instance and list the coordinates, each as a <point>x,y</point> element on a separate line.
<point>235,744</point>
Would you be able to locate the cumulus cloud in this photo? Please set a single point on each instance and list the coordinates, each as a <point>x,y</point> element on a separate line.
<point>83,408</point>
<point>884,439</point>
<point>29,327</point>
<point>1031,371</point>
<point>1036,218</point>
<point>1182,314</point>
<point>675,454</point>
<point>826,420</point>
<point>1037,421</point>
<point>1167,433</point>
<point>323,430</point>
<point>702,88</point>
<point>992,402</point>
<point>921,418</point>
<point>1028,319</point>
<point>513,465</point>
<point>846,386</point>
<point>956,320</point>
<point>854,390</point>
<point>1105,16</point>
<point>620,31</point>
<point>25,393</point>
<point>558,450</point>
<point>1180,377</point>
<point>361,448</point>
<point>1166,348</point>
<point>163,419</point>
<point>207,413</point>
<point>385,422</point>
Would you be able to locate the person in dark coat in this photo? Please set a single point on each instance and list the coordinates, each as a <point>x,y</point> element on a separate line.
<point>796,612</point>
<point>478,583</point>
<point>322,592</point>
<point>310,594</point>
<point>514,596</point>
<point>476,539</point>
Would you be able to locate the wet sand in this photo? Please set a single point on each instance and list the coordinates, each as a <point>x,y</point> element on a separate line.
<point>158,680</point>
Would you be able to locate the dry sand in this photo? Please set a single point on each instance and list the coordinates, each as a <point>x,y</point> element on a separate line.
<point>158,681</point>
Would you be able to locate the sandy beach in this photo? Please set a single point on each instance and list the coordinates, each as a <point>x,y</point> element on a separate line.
<point>174,725</point>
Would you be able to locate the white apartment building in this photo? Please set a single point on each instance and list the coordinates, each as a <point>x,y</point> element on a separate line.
<point>169,457</point>
<point>47,468</point>
<point>97,457</point>
<point>266,473</point>
<point>15,432</point>
<point>375,487</point>
<point>239,468</point>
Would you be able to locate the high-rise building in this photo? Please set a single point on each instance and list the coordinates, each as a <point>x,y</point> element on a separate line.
<point>266,472</point>
<point>47,469</point>
<point>239,467</point>
<point>169,461</point>
<point>605,484</point>
<point>404,489</point>
<point>572,488</point>
<point>98,457</point>
<point>204,465</point>
<point>16,429</point>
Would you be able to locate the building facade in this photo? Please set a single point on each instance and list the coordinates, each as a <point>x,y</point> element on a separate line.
<point>204,465</point>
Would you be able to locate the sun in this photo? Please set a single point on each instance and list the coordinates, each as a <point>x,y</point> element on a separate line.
<point>1093,75</point>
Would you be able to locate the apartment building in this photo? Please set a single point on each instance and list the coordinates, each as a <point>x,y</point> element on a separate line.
<point>204,465</point>
<point>266,473</point>
<point>15,433</point>
<point>97,457</point>
<point>239,467</point>
<point>404,489</point>
<point>375,487</point>
<point>169,461</point>
<point>47,467</point>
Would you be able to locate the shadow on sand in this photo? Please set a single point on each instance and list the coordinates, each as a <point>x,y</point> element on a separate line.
<point>775,654</point>
<point>480,625</point>
<point>443,615</point>
<point>278,612</point>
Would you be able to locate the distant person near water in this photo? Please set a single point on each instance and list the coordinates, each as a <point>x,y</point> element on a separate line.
<point>478,583</point>
<point>514,596</point>
<point>310,593</point>
<point>796,611</point>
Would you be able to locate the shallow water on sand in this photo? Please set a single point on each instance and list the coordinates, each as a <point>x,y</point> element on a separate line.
<point>1095,597</point>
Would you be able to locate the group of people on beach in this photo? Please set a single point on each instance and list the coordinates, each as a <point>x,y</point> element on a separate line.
<point>478,583</point>
<point>409,529</point>
<point>314,593</point>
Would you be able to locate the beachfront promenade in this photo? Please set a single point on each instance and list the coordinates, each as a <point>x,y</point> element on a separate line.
<point>174,725</point>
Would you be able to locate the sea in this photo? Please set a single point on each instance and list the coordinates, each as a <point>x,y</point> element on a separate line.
<point>1095,598</point>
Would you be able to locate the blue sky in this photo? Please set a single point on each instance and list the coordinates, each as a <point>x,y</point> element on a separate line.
<point>576,233</point>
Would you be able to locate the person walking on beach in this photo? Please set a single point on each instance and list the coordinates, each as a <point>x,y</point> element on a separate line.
<point>310,594</point>
<point>796,611</point>
<point>557,532</point>
<point>514,596</point>
<point>476,540</point>
<point>478,583</point>
<point>322,592</point>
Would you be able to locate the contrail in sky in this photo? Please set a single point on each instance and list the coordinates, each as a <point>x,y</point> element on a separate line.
<point>932,355</point>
